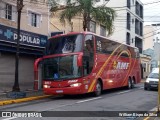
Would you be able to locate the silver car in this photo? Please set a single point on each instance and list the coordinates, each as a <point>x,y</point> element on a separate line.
<point>152,80</point>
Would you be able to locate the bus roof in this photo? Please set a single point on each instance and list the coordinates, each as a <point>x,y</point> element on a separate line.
<point>73,33</point>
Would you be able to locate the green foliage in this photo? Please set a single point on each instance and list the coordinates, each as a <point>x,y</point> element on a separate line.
<point>86,8</point>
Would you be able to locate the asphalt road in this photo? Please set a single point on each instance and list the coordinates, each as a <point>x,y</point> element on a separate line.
<point>110,103</point>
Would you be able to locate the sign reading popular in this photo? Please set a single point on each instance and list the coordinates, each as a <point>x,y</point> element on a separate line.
<point>9,34</point>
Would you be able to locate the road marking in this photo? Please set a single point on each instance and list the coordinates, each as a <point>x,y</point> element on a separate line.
<point>60,106</point>
<point>88,100</point>
<point>140,88</point>
<point>123,92</point>
<point>149,117</point>
<point>154,109</point>
<point>129,90</point>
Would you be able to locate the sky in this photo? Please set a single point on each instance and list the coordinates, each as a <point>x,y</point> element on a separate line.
<point>151,12</point>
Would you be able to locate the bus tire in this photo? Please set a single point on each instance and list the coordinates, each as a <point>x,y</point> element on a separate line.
<point>133,83</point>
<point>129,83</point>
<point>98,90</point>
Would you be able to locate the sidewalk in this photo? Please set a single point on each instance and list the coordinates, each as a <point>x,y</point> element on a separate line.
<point>30,95</point>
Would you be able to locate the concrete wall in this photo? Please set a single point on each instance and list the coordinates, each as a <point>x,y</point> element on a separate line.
<point>56,25</point>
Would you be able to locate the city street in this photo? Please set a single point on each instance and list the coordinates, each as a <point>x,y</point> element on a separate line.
<point>111,100</point>
<point>57,56</point>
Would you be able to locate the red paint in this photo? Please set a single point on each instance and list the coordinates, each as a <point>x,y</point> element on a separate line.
<point>111,75</point>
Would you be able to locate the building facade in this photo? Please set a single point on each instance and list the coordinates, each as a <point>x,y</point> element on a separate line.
<point>146,65</point>
<point>33,37</point>
<point>148,42</point>
<point>152,42</point>
<point>128,25</point>
<point>151,36</point>
<point>129,22</point>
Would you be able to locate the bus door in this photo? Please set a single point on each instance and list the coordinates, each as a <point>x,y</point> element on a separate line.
<point>88,57</point>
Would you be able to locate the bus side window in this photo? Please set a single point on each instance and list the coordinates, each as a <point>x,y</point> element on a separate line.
<point>98,44</point>
<point>88,58</point>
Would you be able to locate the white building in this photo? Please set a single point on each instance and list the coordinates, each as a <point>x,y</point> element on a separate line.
<point>156,33</point>
<point>129,22</point>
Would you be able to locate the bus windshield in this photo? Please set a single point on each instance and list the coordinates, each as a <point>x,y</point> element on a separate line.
<point>64,44</point>
<point>60,68</point>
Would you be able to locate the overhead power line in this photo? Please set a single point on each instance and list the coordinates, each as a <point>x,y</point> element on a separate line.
<point>47,3</point>
<point>135,5</point>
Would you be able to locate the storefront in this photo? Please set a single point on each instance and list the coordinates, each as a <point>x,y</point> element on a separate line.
<point>31,47</point>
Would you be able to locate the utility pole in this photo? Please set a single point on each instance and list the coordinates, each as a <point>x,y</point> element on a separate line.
<point>16,82</point>
<point>159,85</point>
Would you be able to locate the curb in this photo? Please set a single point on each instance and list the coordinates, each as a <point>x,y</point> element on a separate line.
<point>6,102</point>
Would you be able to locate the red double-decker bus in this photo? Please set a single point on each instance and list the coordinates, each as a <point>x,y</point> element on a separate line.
<point>78,63</point>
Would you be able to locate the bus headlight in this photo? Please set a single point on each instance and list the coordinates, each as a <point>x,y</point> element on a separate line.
<point>46,86</point>
<point>75,85</point>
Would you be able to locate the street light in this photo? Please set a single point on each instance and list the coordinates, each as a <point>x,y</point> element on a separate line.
<point>16,82</point>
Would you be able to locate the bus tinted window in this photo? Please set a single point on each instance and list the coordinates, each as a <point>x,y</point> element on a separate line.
<point>64,44</point>
<point>105,45</point>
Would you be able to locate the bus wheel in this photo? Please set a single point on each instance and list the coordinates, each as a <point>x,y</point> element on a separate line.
<point>129,83</point>
<point>133,83</point>
<point>98,89</point>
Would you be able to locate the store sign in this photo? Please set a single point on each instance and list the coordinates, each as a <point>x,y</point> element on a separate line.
<point>26,38</point>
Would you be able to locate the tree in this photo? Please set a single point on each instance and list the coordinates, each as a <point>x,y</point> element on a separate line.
<point>86,8</point>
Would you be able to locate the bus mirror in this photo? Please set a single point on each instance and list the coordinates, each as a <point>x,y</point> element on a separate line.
<point>79,60</point>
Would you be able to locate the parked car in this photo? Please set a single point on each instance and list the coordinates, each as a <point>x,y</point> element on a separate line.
<point>152,80</point>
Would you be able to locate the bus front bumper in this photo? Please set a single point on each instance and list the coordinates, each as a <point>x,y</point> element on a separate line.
<point>64,91</point>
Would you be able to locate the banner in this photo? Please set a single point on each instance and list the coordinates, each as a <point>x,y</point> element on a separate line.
<point>125,114</point>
